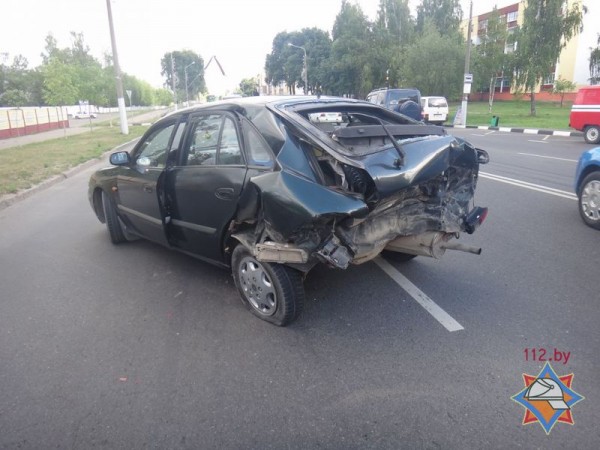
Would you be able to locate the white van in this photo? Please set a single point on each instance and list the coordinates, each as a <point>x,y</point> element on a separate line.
<point>435,109</point>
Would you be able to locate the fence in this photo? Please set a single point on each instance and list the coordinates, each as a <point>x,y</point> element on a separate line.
<point>30,120</point>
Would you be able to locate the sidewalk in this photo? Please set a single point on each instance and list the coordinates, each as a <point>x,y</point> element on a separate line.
<point>520,130</point>
<point>141,119</point>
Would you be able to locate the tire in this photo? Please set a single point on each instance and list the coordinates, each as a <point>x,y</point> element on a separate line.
<point>272,292</point>
<point>589,200</point>
<point>591,134</point>
<point>115,230</point>
<point>397,256</point>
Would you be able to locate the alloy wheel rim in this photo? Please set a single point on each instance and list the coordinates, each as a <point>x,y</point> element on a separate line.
<point>257,286</point>
<point>590,200</point>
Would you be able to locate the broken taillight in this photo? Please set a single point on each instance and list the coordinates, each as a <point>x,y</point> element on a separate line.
<point>475,218</point>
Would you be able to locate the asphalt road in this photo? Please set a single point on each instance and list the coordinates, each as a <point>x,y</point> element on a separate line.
<point>135,346</point>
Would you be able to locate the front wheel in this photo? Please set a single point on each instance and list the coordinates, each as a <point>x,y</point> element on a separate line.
<point>272,292</point>
<point>589,200</point>
<point>591,134</point>
<point>115,230</point>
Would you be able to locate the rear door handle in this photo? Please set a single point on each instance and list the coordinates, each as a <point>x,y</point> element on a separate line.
<point>224,193</point>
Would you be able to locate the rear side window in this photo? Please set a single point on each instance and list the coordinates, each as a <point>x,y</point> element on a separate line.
<point>438,102</point>
<point>258,151</point>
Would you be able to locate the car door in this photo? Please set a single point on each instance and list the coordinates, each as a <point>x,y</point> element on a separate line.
<point>138,202</point>
<point>202,191</point>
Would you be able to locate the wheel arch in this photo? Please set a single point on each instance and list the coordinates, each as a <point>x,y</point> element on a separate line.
<point>97,204</point>
<point>589,169</point>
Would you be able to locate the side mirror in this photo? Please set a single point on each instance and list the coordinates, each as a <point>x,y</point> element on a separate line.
<point>120,159</point>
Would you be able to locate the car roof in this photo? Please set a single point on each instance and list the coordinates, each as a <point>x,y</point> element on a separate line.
<point>233,104</point>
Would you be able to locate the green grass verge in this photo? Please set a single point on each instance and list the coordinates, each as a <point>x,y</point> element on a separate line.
<point>25,166</point>
<point>516,114</point>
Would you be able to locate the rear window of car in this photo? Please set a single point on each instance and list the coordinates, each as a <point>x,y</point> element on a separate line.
<point>439,102</point>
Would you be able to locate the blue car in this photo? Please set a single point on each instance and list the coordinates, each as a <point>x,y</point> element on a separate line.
<point>587,187</point>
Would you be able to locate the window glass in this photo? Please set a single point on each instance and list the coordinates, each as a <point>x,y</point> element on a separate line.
<point>214,141</point>
<point>258,150</point>
<point>154,149</point>
<point>172,156</point>
<point>205,137</point>
<point>229,150</point>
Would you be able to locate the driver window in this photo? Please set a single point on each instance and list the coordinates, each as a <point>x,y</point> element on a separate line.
<point>154,149</point>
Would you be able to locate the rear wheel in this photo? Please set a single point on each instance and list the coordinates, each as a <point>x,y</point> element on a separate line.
<point>272,292</point>
<point>591,134</point>
<point>115,230</point>
<point>589,200</point>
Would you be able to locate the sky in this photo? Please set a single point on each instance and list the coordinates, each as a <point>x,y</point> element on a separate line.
<point>238,32</point>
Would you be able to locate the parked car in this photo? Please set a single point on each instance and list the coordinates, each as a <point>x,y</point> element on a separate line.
<point>585,113</point>
<point>435,109</point>
<point>254,185</point>
<point>327,117</point>
<point>84,115</point>
<point>587,187</point>
<point>406,101</point>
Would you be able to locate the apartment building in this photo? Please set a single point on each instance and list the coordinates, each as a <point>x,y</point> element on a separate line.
<point>573,62</point>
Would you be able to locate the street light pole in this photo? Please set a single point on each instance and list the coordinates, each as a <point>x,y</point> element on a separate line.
<point>468,79</point>
<point>305,66</point>
<point>187,97</point>
<point>118,80</point>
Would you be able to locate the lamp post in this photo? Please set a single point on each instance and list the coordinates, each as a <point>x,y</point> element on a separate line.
<point>305,66</point>
<point>118,80</point>
<point>187,97</point>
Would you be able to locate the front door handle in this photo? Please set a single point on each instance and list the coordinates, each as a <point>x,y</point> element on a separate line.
<point>224,193</point>
<point>148,188</point>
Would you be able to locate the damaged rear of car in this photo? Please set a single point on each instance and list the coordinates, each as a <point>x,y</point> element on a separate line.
<point>337,193</point>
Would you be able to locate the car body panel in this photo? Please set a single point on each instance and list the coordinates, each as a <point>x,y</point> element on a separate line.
<point>585,110</point>
<point>589,161</point>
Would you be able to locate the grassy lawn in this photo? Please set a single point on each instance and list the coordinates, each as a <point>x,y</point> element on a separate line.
<point>23,167</point>
<point>550,116</point>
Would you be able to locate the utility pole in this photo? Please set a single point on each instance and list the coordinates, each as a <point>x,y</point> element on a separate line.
<point>118,80</point>
<point>305,71</point>
<point>468,79</point>
<point>173,81</point>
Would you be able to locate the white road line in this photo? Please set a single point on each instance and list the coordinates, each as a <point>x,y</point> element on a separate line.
<point>526,185</point>
<point>420,297</point>
<point>537,142</point>
<point>548,157</point>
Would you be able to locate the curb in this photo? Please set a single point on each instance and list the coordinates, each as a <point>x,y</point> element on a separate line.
<point>10,199</point>
<point>520,130</point>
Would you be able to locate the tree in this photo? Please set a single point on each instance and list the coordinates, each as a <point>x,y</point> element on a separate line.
<point>561,87</point>
<point>547,27</point>
<point>489,57</point>
<point>595,64</point>
<point>59,83</point>
<point>445,14</point>
<point>393,32</point>
<point>434,64</point>
<point>175,65</point>
<point>352,39</point>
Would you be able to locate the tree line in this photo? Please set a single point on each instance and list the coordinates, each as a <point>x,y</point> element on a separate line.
<point>69,75</point>
<point>426,51</point>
